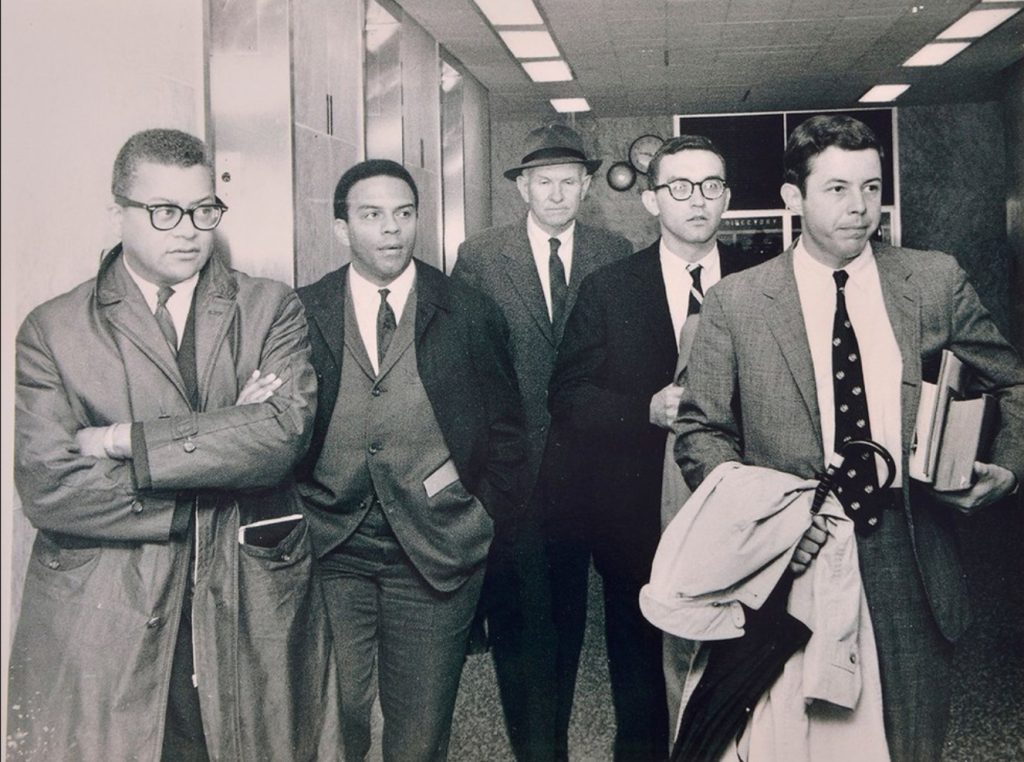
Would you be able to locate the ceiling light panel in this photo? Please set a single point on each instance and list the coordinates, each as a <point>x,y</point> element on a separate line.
<point>883,93</point>
<point>936,53</point>
<point>977,23</point>
<point>509,12</point>
<point>530,44</point>
<point>548,71</point>
<point>570,105</point>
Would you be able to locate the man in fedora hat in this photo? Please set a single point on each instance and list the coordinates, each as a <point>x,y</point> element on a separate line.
<point>532,269</point>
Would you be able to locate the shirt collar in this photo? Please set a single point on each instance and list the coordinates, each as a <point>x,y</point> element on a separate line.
<point>398,289</point>
<point>803,262</point>
<point>150,291</point>
<point>709,263</point>
<point>539,238</point>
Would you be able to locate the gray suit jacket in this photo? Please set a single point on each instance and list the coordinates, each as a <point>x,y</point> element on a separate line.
<point>498,261</point>
<point>750,391</point>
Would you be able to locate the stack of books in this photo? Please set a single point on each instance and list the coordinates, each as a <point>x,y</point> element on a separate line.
<point>953,430</point>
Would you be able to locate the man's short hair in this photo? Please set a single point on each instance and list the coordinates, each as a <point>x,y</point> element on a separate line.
<point>364,170</point>
<point>818,133</point>
<point>158,146</point>
<point>676,145</point>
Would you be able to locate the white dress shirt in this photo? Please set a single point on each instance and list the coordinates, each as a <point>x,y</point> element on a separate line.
<point>366,303</point>
<point>540,246</point>
<point>678,281</point>
<point>178,304</point>
<point>880,354</point>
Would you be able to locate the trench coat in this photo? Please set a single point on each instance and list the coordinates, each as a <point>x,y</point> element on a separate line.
<point>107,576</point>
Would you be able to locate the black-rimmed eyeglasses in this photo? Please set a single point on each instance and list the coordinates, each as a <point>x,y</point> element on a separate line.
<point>710,188</point>
<point>167,216</point>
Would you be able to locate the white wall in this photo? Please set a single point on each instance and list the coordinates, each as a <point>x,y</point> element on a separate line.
<point>77,79</point>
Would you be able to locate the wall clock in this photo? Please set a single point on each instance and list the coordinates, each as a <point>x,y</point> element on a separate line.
<point>642,150</point>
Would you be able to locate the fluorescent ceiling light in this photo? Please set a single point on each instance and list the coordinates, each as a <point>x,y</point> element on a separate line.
<point>509,12</point>
<point>570,105</point>
<point>530,44</point>
<point>548,71</point>
<point>977,23</point>
<point>936,53</point>
<point>883,93</point>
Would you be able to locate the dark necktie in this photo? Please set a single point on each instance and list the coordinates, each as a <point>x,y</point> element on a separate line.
<point>859,479</point>
<point>696,292</point>
<point>559,286</point>
<point>386,325</point>
<point>163,318</point>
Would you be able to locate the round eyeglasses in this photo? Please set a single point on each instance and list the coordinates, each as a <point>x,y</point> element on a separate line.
<point>167,216</point>
<point>710,188</point>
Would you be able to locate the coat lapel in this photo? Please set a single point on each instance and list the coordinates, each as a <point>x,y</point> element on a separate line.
<point>126,310</point>
<point>403,337</point>
<point>353,339</point>
<point>904,310</point>
<point>786,322</point>
<point>652,302</point>
<point>326,309</point>
<point>214,312</point>
<point>522,275</point>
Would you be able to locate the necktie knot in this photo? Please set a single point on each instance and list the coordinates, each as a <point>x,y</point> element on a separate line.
<point>164,319</point>
<point>694,271</point>
<point>696,292</point>
<point>558,282</point>
<point>840,277</point>
<point>162,295</point>
<point>386,325</point>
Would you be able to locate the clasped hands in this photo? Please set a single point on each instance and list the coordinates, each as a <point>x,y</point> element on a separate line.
<point>115,441</point>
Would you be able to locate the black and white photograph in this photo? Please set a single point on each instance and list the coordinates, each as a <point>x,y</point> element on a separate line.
<point>512,380</point>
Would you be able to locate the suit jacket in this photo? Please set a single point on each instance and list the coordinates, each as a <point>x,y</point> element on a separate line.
<point>618,350</point>
<point>464,364</point>
<point>750,390</point>
<point>91,662</point>
<point>500,263</point>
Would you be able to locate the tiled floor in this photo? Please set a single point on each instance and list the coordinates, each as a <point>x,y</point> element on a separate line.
<point>988,704</point>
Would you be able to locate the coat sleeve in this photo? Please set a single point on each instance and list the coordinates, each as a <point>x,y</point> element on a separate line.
<point>61,489</point>
<point>242,446</point>
<point>500,487</point>
<point>708,432</point>
<point>576,396</point>
<point>976,340</point>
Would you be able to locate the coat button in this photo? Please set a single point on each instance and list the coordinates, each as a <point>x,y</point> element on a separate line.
<point>53,563</point>
<point>376,391</point>
<point>853,657</point>
<point>153,622</point>
<point>136,506</point>
<point>375,448</point>
<point>189,446</point>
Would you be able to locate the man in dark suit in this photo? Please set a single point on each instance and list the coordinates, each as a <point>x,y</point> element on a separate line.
<point>415,453</point>
<point>533,269</point>
<point>763,388</point>
<point>613,398</point>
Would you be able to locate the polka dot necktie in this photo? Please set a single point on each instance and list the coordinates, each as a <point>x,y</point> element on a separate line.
<point>857,483</point>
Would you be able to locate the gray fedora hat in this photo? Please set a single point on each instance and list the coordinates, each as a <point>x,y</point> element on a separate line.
<point>553,144</point>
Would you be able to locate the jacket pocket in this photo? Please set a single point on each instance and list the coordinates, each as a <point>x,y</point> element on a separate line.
<point>292,549</point>
<point>62,560</point>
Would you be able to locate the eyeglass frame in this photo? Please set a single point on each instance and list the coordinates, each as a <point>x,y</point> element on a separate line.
<point>693,186</point>
<point>190,212</point>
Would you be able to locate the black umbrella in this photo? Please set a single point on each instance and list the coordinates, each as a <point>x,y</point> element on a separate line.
<point>740,670</point>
